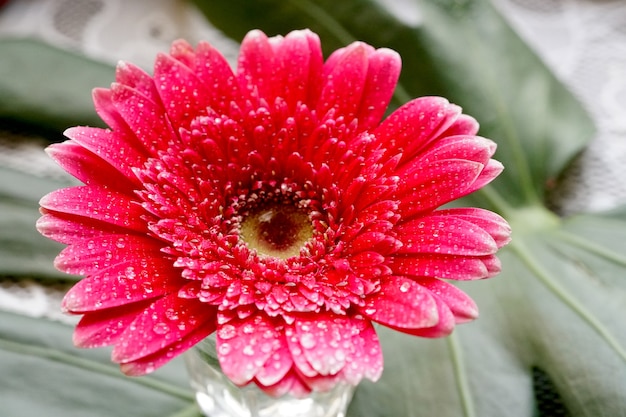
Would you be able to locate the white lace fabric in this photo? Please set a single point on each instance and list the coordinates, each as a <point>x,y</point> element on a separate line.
<point>582,41</point>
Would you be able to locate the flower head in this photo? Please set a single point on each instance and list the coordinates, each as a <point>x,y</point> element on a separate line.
<point>272,206</point>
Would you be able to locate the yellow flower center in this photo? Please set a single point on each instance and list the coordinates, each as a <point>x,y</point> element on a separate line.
<point>277,230</point>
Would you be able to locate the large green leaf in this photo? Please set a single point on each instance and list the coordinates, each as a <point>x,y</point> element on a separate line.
<point>23,251</point>
<point>557,306</point>
<point>46,88</point>
<point>44,375</point>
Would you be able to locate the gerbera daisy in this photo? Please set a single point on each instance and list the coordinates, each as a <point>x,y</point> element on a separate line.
<point>272,206</point>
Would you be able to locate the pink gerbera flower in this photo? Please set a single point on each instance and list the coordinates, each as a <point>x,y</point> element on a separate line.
<point>273,206</point>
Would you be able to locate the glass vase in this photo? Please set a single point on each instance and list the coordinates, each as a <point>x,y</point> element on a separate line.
<point>217,396</point>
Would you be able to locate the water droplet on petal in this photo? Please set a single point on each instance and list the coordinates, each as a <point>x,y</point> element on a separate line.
<point>308,341</point>
<point>161,328</point>
<point>224,349</point>
<point>248,351</point>
<point>171,314</point>
<point>405,287</point>
<point>227,331</point>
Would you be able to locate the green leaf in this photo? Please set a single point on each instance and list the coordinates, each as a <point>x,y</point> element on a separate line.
<point>557,306</point>
<point>46,88</point>
<point>23,251</point>
<point>44,375</point>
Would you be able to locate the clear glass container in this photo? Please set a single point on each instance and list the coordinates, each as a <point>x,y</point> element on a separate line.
<point>218,397</point>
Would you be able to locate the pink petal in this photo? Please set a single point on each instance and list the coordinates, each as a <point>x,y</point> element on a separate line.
<point>98,204</point>
<point>402,303</point>
<point>118,150</point>
<point>103,328</point>
<point>161,326</point>
<point>436,184</point>
<point>415,125</point>
<point>181,93</point>
<point>345,75</point>
<point>488,174</point>
<point>277,366</point>
<point>458,267</point>
<point>444,326</point>
<point>256,67</point>
<point>292,384</point>
<point>492,223</point>
<point>245,346</point>
<point>382,75</point>
<point>332,344</point>
<point>67,228</point>
<point>87,167</point>
<point>135,78</point>
<point>468,148</point>
<point>145,117</point>
<point>148,364</point>
<point>445,234</point>
<point>461,305</point>
<point>463,125</point>
<point>215,74</point>
<point>134,279</point>
<point>183,52</point>
<point>298,61</point>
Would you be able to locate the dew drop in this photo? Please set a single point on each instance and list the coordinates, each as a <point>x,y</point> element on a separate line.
<point>161,328</point>
<point>227,332</point>
<point>248,351</point>
<point>225,349</point>
<point>405,287</point>
<point>171,314</point>
<point>308,341</point>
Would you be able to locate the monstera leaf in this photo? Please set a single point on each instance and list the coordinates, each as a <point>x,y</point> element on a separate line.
<point>44,375</point>
<point>554,312</point>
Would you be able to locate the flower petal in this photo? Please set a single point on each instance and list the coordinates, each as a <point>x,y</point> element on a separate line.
<point>145,117</point>
<point>116,149</point>
<point>435,184</point>
<point>69,229</point>
<point>445,234</point>
<point>215,74</point>
<point>402,303</point>
<point>99,204</point>
<point>333,343</point>
<point>134,279</point>
<point>345,74</point>
<point>277,366</point>
<point>415,125</point>
<point>244,346</point>
<point>148,364</point>
<point>492,223</point>
<point>255,66</point>
<point>298,60</point>
<point>382,75</point>
<point>161,326</point>
<point>103,328</point>
<point>458,267</point>
<point>87,167</point>
<point>460,304</point>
